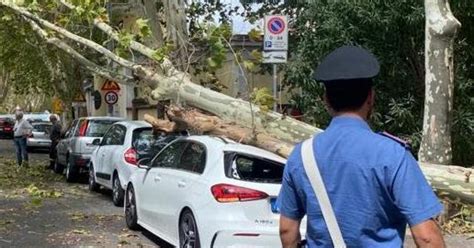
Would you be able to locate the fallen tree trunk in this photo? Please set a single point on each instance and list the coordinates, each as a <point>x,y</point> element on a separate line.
<point>450,181</point>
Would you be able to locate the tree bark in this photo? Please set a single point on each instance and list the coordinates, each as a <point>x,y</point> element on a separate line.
<point>176,30</point>
<point>440,30</point>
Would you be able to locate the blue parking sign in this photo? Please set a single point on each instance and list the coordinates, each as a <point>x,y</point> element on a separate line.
<point>268,44</point>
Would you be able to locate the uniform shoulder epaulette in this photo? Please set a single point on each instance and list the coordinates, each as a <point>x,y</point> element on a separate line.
<point>396,139</point>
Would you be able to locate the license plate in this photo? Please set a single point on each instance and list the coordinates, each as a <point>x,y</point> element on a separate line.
<point>274,204</point>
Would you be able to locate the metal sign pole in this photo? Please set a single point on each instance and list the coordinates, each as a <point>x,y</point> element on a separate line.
<point>275,86</point>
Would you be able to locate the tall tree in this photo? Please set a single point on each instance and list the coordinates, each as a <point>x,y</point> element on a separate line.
<point>440,31</point>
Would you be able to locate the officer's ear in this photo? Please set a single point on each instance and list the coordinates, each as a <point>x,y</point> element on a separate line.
<point>371,97</point>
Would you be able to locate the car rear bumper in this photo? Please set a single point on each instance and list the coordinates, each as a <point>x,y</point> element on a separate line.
<point>246,238</point>
<point>38,143</point>
<point>80,162</point>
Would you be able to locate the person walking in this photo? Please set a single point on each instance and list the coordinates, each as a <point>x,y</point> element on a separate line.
<point>21,131</point>
<point>373,183</point>
<point>55,136</point>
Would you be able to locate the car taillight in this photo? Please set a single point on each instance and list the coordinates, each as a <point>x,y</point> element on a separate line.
<point>83,128</point>
<point>130,156</point>
<point>232,193</point>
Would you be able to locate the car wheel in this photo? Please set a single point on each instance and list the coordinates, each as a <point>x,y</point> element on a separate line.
<point>58,168</point>
<point>71,173</point>
<point>93,186</point>
<point>188,232</point>
<point>131,217</point>
<point>117,191</point>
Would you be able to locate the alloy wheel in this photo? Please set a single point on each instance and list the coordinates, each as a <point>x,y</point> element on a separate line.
<point>117,191</point>
<point>188,234</point>
<point>131,216</point>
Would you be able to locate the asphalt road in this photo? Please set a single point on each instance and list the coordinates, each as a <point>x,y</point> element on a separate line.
<point>39,209</point>
<point>75,218</point>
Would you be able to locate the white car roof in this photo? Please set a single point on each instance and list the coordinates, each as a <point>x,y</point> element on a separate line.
<point>134,124</point>
<point>103,118</point>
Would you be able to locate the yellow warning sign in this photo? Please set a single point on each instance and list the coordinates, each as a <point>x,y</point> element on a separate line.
<point>57,105</point>
<point>110,86</point>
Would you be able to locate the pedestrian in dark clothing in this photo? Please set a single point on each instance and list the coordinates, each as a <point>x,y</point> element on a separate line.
<point>55,136</point>
<point>21,131</point>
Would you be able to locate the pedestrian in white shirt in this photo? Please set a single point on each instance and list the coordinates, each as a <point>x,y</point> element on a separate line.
<point>21,131</point>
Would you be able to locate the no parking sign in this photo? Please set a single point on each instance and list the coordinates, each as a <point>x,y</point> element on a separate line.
<point>276,33</point>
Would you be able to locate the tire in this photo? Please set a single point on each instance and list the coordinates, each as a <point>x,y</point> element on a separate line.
<point>131,217</point>
<point>71,172</point>
<point>117,191</point>
<point>58,168</point>
<point>188,231</point>
<point>93,186</point>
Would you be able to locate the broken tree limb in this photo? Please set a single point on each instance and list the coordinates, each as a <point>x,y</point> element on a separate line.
<point>201,123</point>
<point>451,181</point>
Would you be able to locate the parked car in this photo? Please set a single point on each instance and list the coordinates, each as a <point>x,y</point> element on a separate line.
<point>203,191</point>
<point>39,138</point>
<point>118,153</point>
<point>6,126</point>
<point>37,117</point>
<point>75,148</point>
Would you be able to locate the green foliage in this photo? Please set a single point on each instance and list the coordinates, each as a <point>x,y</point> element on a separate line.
<point>394,32</point>
<point>263,98</point>
<point>143,27</point>
<point>163,52</point>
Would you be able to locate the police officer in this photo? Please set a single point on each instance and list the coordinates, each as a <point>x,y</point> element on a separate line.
<point>374,184</point>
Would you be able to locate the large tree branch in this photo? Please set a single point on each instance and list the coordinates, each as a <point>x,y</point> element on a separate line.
<point>86,42</point>
<point>81,59</point>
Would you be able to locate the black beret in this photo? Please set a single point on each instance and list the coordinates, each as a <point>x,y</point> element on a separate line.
<point>347,63</point>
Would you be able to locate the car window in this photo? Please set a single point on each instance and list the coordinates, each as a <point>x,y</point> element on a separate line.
<point>70,130</point>
<point>115,135</point>
<point>108,136</point>
<point>97,128</point>
<point>253,168</point>
<point>42,127</point>
<point>194,158</point>
<point>170,156</point>
<point>142,141</point>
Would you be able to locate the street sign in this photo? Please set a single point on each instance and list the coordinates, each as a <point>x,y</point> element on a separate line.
<point>275,57</point>
<point>110,85</point>
<point>276,33</point>
<point>111,97</point>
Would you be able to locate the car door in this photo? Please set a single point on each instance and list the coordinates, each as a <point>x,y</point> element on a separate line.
<point>182,182</point>
<point>63,145</point>
<point>156,186</point>
<point>113,153</point>
<point>102,152</point>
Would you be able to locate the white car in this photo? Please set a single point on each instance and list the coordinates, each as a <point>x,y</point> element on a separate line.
<point>204,191</point>
<point>116,156</point>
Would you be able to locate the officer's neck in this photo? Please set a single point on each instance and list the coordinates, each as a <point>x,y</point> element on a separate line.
<point>350,114</point>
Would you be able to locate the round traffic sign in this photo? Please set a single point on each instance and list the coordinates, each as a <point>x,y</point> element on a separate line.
<point>111,97</point>
<point>276,25</point>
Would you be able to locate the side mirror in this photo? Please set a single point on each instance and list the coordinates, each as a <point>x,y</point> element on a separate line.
<point>144,163</point>
<point>96,142</point>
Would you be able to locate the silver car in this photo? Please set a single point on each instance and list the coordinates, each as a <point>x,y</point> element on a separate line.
<point>75,147</point>
<point>39,138</point>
